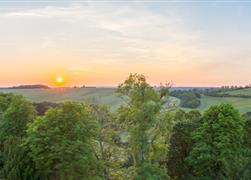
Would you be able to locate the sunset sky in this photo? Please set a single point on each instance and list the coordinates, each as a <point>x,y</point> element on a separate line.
<point>188,43</point>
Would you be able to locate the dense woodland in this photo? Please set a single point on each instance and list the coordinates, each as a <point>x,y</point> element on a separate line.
<point>143,140</point>
<point>188,99</point>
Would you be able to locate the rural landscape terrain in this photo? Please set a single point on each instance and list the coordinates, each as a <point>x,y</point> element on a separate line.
<point>108,96</point>
<point>125,90</point>
<point>134,131</point>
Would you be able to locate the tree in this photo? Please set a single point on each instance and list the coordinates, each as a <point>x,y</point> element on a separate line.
<point>17,163</point>
<point>245,172</point>
<point>5,100</point>
<point>61,143</point>
<point>218,149</point>
<point>15,118</point>
<point>248,132</point>
<point>43,107</point>
<point>181,144</point>
<point>16,114</point>
<point>139,118</point>
<point>188,99</point>
<point>106,148</point>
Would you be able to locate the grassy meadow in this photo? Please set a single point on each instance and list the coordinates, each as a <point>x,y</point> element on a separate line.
<point>109,97</point>
<point>246,92</point>
<point>243,104</point>
<point>98,95</point>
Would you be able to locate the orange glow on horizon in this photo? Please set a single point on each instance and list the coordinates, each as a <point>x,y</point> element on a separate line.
<point>59,81</point>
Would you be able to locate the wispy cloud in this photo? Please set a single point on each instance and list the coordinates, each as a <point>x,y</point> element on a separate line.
<point>131,31</point>
<point>111,37</point>
<point>115,35</point>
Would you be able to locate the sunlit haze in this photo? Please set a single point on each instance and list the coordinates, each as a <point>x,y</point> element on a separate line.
<point>101,43</point>
<point>59,81</point>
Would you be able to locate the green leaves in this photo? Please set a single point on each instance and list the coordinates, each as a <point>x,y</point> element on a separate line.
<point>16,114</point>
<point>181,144</point>
<point>61,142</point>
<point>218,143</point>
<point>15,118</point>
<point>73,140</point>
<point>140,118</point>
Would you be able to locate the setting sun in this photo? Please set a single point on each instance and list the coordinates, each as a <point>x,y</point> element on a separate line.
<point>59,80</point>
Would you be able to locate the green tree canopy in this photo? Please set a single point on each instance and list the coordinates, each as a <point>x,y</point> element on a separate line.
<point>139,117</point>
<point>61,143</point>
<point>5,100</point>
<point>16,114</point>
<point>218,148</point>
<point>106,148</point>
<point>181,144</point>
<point>15,118</point>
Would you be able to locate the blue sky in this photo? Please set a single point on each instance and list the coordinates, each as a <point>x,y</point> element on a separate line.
<point>190,43</point>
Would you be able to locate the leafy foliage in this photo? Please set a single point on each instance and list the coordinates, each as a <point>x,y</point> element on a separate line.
<point>5,100</point>
<point>218,149</point>
<point>146,139</point>
<point>43,107</point>
<point>141,112</point>
<point>61,143</point>
<point>106,148</point>
<point>245,171</point>
<point>16,115</point>
<point>16,162</point>
<point>189,99</point>
<point>181,144</point>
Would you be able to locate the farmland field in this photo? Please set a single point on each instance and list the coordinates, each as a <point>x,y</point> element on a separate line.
<point>105,96</point>
<point>246,92</point>
<point>243,104</point>
<point>98,95</point>
<point>109,97</point>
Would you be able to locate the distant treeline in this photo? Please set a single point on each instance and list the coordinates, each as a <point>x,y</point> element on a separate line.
<point>188,99</point>
<point>36,86</point>
<point>223,91</point>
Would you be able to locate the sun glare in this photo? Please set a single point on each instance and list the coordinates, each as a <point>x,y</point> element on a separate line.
<point>59,80</point>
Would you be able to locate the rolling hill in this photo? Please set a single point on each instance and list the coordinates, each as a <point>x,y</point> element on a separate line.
<point>241,103</point>
<point>109,97</point>
<point>98,95</point>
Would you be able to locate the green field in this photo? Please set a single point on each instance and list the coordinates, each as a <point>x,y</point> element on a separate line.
<point>243,104</point>
<point>105,96</point>
<point>109,97</point>
<point>99,95</point>
<point>246,92</point>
